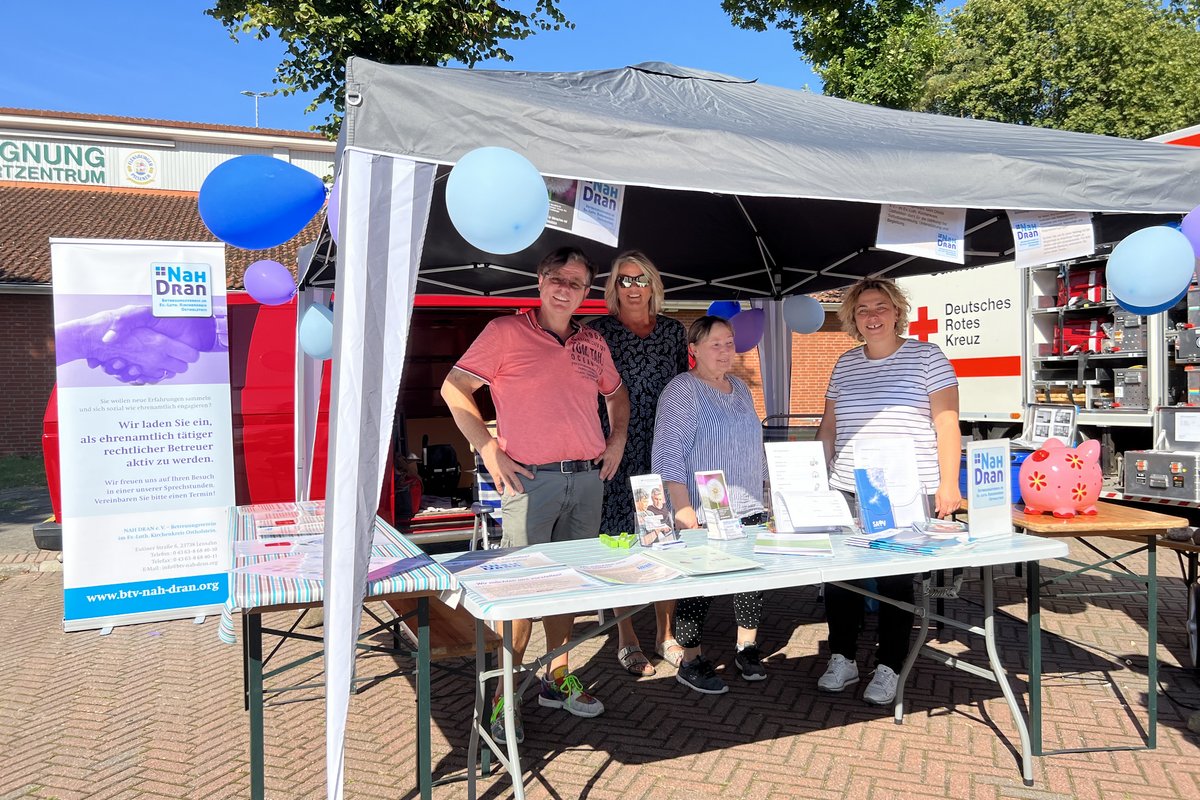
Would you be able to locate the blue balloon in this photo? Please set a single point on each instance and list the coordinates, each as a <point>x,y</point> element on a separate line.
<point>256,202</point>
<point>725,309</point>
<point>803,314</point>
<point>316,333</point>
<point>1154,309</point>
<point>497,200</point>
<point>1151,269</point>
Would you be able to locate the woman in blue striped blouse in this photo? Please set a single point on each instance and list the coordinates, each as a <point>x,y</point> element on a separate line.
<point>706,421</point>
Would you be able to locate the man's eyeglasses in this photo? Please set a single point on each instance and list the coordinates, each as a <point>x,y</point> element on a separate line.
<point>563,283</point>
<point>627,281</point>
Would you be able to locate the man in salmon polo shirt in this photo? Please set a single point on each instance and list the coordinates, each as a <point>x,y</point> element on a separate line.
<point>550,457</point>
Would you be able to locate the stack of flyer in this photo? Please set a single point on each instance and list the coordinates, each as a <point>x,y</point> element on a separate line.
<point>928,538</point>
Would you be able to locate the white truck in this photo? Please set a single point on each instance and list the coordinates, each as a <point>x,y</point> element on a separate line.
<point>1053,334</point>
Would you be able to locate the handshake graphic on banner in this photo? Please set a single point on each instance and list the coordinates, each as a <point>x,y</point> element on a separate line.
<point>134,346</point>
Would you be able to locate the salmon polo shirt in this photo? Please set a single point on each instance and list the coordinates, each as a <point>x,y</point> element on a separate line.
<point>544,390</point>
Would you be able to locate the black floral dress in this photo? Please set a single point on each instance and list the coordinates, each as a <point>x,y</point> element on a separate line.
<point>646,366</point>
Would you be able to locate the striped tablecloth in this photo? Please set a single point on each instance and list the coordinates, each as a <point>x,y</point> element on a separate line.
<point>250,591</point>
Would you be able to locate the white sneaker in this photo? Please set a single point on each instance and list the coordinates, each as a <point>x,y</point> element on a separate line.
<point>881,691</point>
<point>840,673</point>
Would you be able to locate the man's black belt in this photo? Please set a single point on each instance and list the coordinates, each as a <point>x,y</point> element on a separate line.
<point>566,467</point>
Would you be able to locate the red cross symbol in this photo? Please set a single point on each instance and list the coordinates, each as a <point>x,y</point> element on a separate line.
<point>922,326</point>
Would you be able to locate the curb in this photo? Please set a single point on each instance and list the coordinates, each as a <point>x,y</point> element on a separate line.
<point>44,561</point>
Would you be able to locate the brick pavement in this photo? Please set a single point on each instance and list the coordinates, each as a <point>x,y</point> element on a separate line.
<point>154,711</point>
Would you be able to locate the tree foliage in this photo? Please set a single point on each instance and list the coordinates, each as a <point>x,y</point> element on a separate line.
<point>873,51</point>
<point>321,35</point>
<point>1118,67</point>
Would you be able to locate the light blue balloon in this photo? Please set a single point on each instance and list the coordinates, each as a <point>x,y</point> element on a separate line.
<point>1150,269</point>
<point>1154,309</point>
<point>497,200</point>
<point>803,314</point>
<point>316,333</point>
<point>725,309</point>
<point>256,202</point>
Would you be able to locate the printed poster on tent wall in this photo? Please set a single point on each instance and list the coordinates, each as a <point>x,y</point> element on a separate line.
<point>145,433</point>
<point>1043,237</point>
<point>924,231</point>
<point>586,208</point>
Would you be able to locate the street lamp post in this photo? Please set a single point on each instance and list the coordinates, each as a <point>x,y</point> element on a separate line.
<point>257,96</point>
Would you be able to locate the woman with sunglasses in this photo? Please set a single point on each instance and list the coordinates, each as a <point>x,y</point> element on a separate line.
<point>649,350</point>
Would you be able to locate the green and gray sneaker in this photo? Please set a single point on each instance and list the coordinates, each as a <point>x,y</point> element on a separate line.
<point>497,728</point>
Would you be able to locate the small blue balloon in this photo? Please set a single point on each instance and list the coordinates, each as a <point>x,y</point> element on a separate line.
<point>256,202</point>
<point>725,309</point>
<point>497,200</point>
<point>1151,269</point>
<point>803,314</point>
<point>316,333</point>
<point>1154,309</point>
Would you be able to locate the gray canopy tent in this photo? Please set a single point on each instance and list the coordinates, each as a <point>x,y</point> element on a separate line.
<point>735,188</point>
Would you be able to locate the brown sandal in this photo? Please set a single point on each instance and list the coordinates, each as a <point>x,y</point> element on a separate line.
<point>635,662</point>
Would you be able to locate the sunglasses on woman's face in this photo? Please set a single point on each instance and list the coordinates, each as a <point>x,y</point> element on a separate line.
<point>627,281</point>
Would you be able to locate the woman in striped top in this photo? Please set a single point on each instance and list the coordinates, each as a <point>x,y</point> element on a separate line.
<point>890,386</point>
<point>706,421</point>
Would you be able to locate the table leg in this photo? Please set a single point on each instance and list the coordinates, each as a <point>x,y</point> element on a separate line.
<point>477,715</point>
<point>510,726</point>
<point>245,662</point>
<point>989,640</point>
<point>1152,636</point>
<point>254,687</point>
<point>913,651</point>
<point>1034,602</point>
<point>424,745</point>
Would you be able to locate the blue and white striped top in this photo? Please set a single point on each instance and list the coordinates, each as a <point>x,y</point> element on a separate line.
<point>699,428</point>
<point>888,397</point>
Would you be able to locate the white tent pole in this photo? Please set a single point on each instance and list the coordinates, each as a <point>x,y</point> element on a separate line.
<point>385,211</point>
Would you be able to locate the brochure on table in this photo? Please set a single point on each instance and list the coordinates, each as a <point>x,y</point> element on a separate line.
<point>801,499</point>
<point>887,484</point>
<point>702,560</point>
<point>715,511</point>
<point>913,541</point>
<point>635,569</point>
<point>989,488</point>
<point>650,513</point>
<point>793,544</point>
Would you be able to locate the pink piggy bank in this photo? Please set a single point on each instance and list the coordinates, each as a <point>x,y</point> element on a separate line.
<point>1061,480</point>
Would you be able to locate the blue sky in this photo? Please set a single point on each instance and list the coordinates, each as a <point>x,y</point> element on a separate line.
<point>166,60</point>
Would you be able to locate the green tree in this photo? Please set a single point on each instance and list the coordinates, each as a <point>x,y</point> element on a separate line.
<point>320,35</point>
<point>872,51</point>
<point>1118,67</point>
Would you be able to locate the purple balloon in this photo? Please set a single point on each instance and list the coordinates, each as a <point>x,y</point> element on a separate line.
<point>333,209</point>
<point>747,329</point>
<point>1191,229</point>
<point>269,282</point>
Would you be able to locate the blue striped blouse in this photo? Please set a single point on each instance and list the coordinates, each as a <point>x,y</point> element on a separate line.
<point>699,428</point>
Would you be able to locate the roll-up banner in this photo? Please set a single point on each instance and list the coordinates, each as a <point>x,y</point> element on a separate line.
<point>145,431</point>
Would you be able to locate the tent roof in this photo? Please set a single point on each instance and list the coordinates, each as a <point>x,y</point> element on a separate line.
<point>743,188</point>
